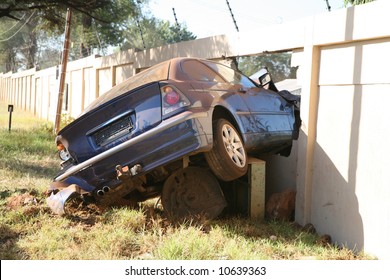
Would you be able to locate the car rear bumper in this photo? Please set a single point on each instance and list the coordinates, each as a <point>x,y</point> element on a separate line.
<point>161,129</point>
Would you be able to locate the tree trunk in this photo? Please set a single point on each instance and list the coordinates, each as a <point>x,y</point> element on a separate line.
<point>32,47</point>
<point>85,44</point>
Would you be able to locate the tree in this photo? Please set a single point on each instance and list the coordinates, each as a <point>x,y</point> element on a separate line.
<point>356,2</point>
<point>13,50</point>
<point>278,65</point>
<point>90,33</point>
<point>51,8</point>
<point>21,41</point>
<point>150,32</point>
<point>49,50</point>
<point>29,44</point>
<point>95,24</point>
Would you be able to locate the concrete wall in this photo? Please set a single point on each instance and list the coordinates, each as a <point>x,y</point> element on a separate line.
<point>350,188</point>
<point>342,181</point>
<point>339,164</point>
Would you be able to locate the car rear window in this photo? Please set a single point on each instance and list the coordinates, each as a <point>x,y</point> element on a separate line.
<point>156,73</point>
<point>230,75</point>
<point>200,72</point>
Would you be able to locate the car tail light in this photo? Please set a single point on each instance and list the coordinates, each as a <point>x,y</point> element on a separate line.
<point>171,96</point>
<point>62,151</point>
<point>172,99</point>
<point>60,146</point>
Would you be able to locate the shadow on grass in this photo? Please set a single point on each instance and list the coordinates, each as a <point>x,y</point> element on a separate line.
<point>8,245</point>
<point>19,168</point>
<point>4,194</point>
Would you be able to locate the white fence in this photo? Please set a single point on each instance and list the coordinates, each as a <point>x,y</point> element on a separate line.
<point>340,169</point>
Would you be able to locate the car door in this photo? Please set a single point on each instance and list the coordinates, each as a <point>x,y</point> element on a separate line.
<point>269,112</point>
<point>211,89</point>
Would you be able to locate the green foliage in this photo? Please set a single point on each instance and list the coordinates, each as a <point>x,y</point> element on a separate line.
<point>356,2</point>
<point>28,152</point>
<point>129,218</point>
<point>50,9</point>
<point>35,141</point>
<point>26,27</point>
<point>89,33</point>
<point>155,33</point>
<point>10,45</point>
<point>95,25</point>
<point>278,65</point>
<point>24,44</point>
<point>65,120</point>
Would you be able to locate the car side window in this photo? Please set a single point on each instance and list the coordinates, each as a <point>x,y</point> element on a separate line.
<point>200,72</point>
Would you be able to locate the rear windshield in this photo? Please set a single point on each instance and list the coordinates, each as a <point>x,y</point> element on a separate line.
<point>155,73</point>
<point>230,75</point>
<point>199,72</point>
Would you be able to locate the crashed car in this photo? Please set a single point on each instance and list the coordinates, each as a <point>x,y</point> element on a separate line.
<point>172,131</point>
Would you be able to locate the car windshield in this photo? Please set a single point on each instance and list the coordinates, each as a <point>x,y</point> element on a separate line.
<point>230,75</point>
<point>155,73</point>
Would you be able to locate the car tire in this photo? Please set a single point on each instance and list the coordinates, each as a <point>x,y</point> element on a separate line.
<point>192,193</point>
<point>228,159</point>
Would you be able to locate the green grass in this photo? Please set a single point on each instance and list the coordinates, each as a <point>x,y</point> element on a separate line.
<point>27,152</point>
<point>29,230</point>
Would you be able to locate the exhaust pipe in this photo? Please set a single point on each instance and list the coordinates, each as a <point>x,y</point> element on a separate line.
<point>100,193</point>
<point>103,191</point>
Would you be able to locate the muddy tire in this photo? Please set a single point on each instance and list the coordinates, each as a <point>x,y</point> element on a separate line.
<point>192,193</point>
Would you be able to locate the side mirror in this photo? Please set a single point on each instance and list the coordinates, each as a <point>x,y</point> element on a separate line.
<point>264,78</point>
<point>266,81</point>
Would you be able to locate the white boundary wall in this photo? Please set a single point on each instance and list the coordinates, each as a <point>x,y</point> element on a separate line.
<point>341,166</point>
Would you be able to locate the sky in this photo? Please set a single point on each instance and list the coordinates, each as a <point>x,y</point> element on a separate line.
<point>207,18</point>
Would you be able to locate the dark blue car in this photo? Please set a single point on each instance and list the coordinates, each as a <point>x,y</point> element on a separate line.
<point>174,130</point>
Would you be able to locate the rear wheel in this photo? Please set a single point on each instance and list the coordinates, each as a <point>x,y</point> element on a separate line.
<point>192,192</point>
<point>228,159</point>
